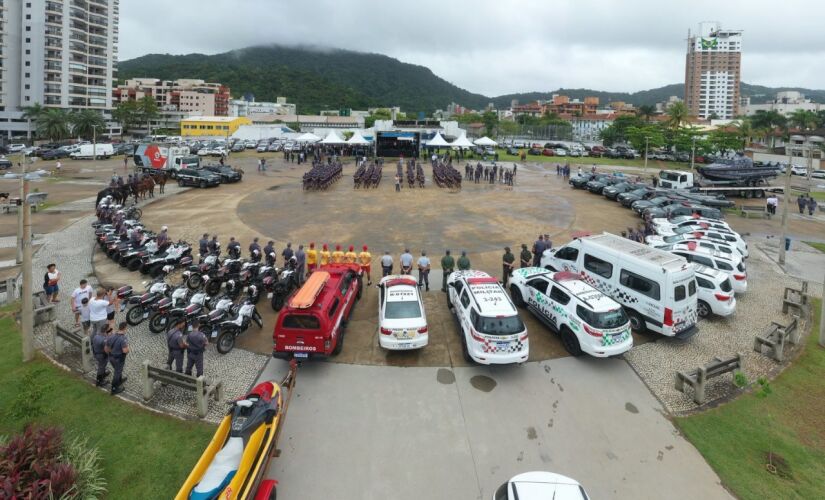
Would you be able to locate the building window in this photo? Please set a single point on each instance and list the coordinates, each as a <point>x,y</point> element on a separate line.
<point>28,28</point>
<point>28,52</point>
<point>28,63</point>
<point>28,40</point>
<point>28,75</point>
<point>27,86</point>
<point>28,16</point>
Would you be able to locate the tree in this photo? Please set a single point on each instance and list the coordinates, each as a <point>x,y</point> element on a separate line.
<point>651,136</point>
<point>85,122</point>
<point>725,140</point>
<point>767,122</point>
<point>617,131</point>
<point>31,113</point>
<point>53,124</point>
<point>677,115</point>
<point>646,111</point>
<point>746,132</point>
<point>804,119</point>
<point>126,114</point>
<point>147,110</point>
<point>490,120</point>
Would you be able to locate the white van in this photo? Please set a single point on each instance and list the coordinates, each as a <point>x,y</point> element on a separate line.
<point>656,288</point>
<point>88,151</point>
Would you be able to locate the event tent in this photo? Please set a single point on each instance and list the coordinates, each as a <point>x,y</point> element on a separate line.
<point>437,142</point>
<point>308,137</point>
<point>462,142</point>
<point>332,139</point>
<point>357,140</point>
<point>485,141</point>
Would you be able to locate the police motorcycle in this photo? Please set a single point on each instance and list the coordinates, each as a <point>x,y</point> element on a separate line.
<point>222,307</point>
<point>230,329</point>
<point>284,285</point>
<point>194,275</point>
<point>141,305</point>
<point>132,258</point>
<point>176,253</point>
<point>228,273</point>
<point>160,318</point>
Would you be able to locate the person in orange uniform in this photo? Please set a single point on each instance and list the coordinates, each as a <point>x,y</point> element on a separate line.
<point>337,255</point>
<point>312,258</point>
<point>365,259</point>
<point>325,255</point>
<point>350,257</point>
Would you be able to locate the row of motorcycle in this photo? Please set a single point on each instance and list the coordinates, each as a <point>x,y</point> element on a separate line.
<point>221,294</point>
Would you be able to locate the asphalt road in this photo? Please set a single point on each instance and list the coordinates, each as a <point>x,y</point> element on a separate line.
<point>369,432</point>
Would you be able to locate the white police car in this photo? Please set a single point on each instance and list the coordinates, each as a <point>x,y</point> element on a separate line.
<point>490,327</point>
<point>402,324</point>
<point>715,292</point>
<point>587,320</point>
<point>540,485</point>
<point>728,263</point>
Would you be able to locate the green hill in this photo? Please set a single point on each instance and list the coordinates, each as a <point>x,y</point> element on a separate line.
<point>315,79</point>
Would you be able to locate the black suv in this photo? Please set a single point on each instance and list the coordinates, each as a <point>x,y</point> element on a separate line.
<point>227,174</point>
<point>200,178</point>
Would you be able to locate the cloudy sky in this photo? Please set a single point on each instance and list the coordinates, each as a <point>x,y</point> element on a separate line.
<point>498,47</point>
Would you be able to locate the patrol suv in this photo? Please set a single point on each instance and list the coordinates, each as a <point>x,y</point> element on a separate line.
<point>490,327</point>
<point>587,320</point>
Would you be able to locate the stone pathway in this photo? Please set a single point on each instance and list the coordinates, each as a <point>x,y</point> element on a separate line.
<point>71,248</point>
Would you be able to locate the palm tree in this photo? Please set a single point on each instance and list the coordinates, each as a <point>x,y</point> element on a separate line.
<point>804,119</point>
<point>31,113</point>
<point>646,111</point>
<point>85,122</point>
<point>53,124</point>
<point>745,131</point>
<point>769,121</point>
<point>677,114</point>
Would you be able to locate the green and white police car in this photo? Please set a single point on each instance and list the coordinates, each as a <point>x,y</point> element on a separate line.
<point>587,320</point>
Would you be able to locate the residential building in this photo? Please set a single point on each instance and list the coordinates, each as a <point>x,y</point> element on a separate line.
<point>212,126</point>
<point>713,72</point>
<point>250,107</point>
<point>57,53</point>
<point>785,103</point>
<point>191,96</point>
<point>310,123</point>
<point>663,106</point>
<point>589,127</point>
<point>559,104</point>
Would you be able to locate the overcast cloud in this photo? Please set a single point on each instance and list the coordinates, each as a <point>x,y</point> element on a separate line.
<point>500,47</point>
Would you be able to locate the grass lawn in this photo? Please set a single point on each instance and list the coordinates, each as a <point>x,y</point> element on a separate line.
<point>144,455</point>
<point>818,246</point>
<point>789,422</point>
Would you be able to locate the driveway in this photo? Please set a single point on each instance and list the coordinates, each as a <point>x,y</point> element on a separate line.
<point>371,432</point>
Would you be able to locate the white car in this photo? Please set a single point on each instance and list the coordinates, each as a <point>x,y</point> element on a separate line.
<point>689,220</point>
<point>490,327</point>
<point>818,174</point>
<point>796,170</point>
<point>16,148</point>
<point>540,485</point>
<point>724,248</point>
<point>560,152</point>
<point>727,263</point>
<point>402,323</point>
<point>587,320</point>
<point>732,239</point>
<point>715,292</point>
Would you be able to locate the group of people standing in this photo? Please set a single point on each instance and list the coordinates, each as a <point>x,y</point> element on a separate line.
<point>808,203</point>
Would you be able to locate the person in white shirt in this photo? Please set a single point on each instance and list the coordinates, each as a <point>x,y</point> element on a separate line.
<point>406,262</point>
<point>84,291</point>
<point>386,264</point>
<point>58,166</point>
<point>98,311</point>
<point>424,270</point>
<point>84,316</point>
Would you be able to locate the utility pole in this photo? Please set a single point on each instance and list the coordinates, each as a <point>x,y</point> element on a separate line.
<point>647,142</point>
<point>786,195</point>
<point>27,293</point>
<point>94,142</point>
<point>822,318</point>
<point>693,153</point>
<point>21,194</point>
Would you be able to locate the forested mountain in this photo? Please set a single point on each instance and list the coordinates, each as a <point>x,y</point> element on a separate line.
<point>315,79</point>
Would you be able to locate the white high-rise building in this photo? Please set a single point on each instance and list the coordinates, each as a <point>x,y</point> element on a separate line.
<point>56,53</point>
<point>712,72</point>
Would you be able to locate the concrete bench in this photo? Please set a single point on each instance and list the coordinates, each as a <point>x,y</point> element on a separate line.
<point>44,309</point>
<point>77,339</point>
<point>795,298</point>
<point>748,211</point>
<point>34,199</point>
<point>775,338</point>
<point>9,287</point>
<point>203,389</point>
<point>698,378</point>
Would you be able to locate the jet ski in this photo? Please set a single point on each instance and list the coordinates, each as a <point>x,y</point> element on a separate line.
<point>237,457</point>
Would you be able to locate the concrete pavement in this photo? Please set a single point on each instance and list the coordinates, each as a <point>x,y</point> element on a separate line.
<point>369,432</point>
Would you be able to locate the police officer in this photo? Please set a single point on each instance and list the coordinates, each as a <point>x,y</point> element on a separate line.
<point>507,263</point>
<point>233,249</point>
<point>195,345</point>
<point>424,271</point>
<point>117,347</point>
<point>447,267</point>
<point>176,344</point>
<point>526,256</point>
<point>255,250</point>
<point>406,261</point>
<point>463,261</point>
<point>386,264</point>
<point>300,263</point>
<point>269,253</point>
<point>99,351</point>
<point>163,239</point>
<point>203,246</point>
<point>538,250</point>
<point>288,252</point>
<point>214,246</point>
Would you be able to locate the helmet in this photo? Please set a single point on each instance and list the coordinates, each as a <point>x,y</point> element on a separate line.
<point>325,247</point>
<point>365,248</point>
<point>338,247</point>
<point>351,248</point>
<point>164,228</point>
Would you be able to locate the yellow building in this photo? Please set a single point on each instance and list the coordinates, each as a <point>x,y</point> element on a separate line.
<point>212,126</point>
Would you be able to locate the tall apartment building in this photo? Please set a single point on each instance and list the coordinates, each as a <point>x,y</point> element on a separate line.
<point>713,72</point>
<point>189,96</point>
<point>57,53</point>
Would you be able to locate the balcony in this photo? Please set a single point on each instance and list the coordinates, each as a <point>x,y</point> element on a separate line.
<point>51,89</point>
<point>77,102</point>
<point>53,54</point>
<point>79,36</point>
<point>98,40</point>
<point>78,68</point>
<point>99,20</point>
<point>54,7</point>
<point>53,66</point>
<point>54,19</point>
<point>51,31</point>
<point>77,90</point>
<point>78,14</point>
<point>97,61</point>
<point>50,100</point>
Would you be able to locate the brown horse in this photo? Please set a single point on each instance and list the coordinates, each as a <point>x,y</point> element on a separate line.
<point>160,180</point>
<point>145,186</point>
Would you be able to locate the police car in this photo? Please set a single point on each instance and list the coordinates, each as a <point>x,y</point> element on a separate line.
<point>402,324</point>
<point>715,292</point>
<point>490,327</point>
<point>728,263</point>
<point>540,485</point>
<point>655,240</point>
<point>587,320</point>
<point>689,220</point>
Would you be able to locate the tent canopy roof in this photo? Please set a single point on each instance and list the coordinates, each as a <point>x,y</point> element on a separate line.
<point>357,139</point>
<point>485,141</point>
<point>437,141</point>
<point>462,142</point>
<point>332,138</point>
<point>308,137</point>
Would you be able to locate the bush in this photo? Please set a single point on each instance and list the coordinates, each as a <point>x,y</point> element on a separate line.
<point>29,402</point>
<point>90,483</point>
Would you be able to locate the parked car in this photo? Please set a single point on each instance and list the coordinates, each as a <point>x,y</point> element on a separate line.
<point>16,147</point>
<point>560,152</point>
<point>5,164</point>
<point>548,152</point>
<point>402,322</point>
<point>237,147</point>
<point>513,151</point>
<point>540,485</point>
<point>681,208</point>
<point>534,152</point>
<point>226,173</point>
<point>54,154</point>
<point>715,292</point>
<point>818,174</point>
<point>197,177</point>
<point>727,263</point>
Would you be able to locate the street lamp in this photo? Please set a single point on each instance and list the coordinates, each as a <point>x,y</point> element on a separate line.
<point>786,194</point>
<point>94,142</point>
<point>692,153</point>
<point>647,145</point>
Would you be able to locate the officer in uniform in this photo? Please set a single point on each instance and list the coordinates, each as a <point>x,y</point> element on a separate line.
<point>176,344</point>
<point>463,261</point>
<point>117,347</point>
<point>99,351</point>
<point>526,256</point>
<point>507,262</point>
<point>365,259</point>
<point>406,262</point>
<point>255,250</point>
<point>447,267</point>
<point>203,246</point>
<point>337,255</point>
<point>287,253</point>
<point>300,262</point>
<point>269,253</point>
<point>195,345</point>
<point>233,248</point>
<point>213,246</point>
<point>325,255</point>
<point>538,249</point>
<point>424,271</point>
<point>386,264</point>
<point>350,257</point>
<point>312,258</point>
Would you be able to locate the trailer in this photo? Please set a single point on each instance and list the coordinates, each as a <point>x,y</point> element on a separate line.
<point>153,157</point>
<point>750,187</point>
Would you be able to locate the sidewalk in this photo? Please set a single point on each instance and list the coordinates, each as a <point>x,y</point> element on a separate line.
<point>801,261</point>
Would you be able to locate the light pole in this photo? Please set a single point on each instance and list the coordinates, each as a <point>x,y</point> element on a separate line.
<point>647,147</point>
<point>27,319</point>
<point>692,153</point>
<point>22,195</point>
<point>786,194</point>
<point>94,142</point>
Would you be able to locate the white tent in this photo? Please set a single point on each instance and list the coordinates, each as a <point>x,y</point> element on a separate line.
<point>462,142</point>
<point>437,141</point>
<point>308,137</point>
<point>485,141</point>
<point>332,139</point>
<point>357,140</point>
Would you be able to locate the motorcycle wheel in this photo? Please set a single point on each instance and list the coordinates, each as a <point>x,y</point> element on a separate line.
<point>194,282</point>
<point>278,301</point>
<point>255,298</point>
<point>157,323</point>
<point>134,264</point>
<point>156,270</point>
<point>225,342</point>
<point>213,287</point>
<point>135,316</point>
